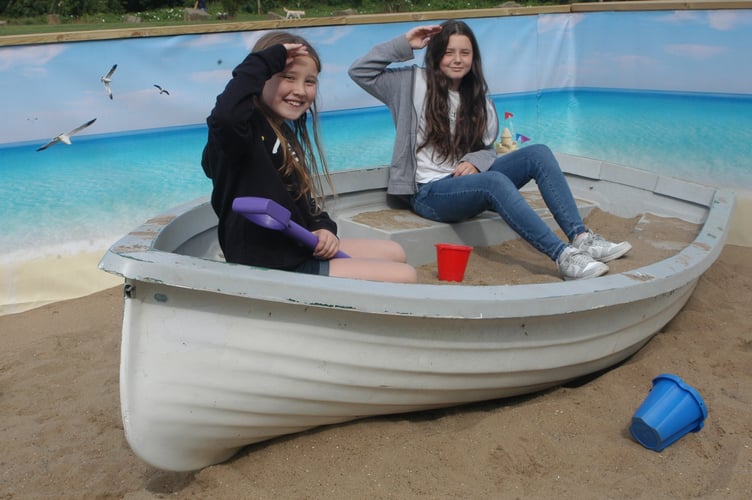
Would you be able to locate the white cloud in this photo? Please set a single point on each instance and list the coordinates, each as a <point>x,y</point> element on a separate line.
<point>558,22</point>
<point>327,36</point>
<point>37,55</point>
<point>334,68</point>
<point>695,51</point>
<point>211,77</point>
<point>250,38</point>
<point>208,40</point>
<point>720,20</point>
<point>726,20</point>
<point>630,61</point>
<point>678,17</point>
<point>33,73</point>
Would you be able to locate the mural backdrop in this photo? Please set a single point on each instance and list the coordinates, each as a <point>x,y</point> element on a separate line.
<point>50,87</point>
<point>667,91</point>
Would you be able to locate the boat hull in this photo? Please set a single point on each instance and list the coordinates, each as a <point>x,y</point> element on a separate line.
<point>217,356</point>
<point>205,383</point>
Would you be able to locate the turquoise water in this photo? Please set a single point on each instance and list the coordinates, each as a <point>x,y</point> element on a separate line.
<point>101,187</point>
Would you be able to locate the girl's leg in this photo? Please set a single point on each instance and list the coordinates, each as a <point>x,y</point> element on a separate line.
<point>373,270</point>
<point>373,249</point>
<point>538,163</point>
<point>374,260</point>
<point>453,199</point>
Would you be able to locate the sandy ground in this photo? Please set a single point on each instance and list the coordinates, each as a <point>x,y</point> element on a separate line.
<point>29,283</point>
<point>61,434</point>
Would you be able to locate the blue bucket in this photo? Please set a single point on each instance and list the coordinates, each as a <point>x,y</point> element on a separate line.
<point>671,410</point>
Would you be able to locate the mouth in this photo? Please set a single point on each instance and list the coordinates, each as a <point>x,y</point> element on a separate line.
<point>295,103</point>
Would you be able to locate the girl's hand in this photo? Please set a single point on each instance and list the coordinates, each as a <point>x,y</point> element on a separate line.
<point>327,246</point>
<point>419,36</point>
<point>464,168</point>
<point>294,50</point>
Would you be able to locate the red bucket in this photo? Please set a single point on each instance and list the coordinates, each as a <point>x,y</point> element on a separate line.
<point>452,261</point>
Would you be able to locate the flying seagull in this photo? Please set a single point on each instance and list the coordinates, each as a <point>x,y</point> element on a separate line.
<point>66,137</point>
<point>161,90</point>
<point>106,79</point>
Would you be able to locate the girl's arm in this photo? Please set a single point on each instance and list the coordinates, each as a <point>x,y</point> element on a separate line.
<point>231,116</point>
<point>370,72</point>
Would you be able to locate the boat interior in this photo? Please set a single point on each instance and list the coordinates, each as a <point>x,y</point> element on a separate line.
<point>362,209</point>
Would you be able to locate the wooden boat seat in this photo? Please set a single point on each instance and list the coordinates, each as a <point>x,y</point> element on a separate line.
<point>379,220</point>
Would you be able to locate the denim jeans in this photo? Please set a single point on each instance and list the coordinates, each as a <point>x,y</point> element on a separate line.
<point>453,199</point>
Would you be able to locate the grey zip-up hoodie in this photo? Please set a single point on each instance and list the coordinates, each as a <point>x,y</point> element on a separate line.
<point>402,89</point>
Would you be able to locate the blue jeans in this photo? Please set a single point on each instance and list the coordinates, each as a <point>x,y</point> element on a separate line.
<point>453,199</point>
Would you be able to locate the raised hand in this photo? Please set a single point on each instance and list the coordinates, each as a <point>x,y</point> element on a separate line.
<point>295,50</point>
<point>419,36</point>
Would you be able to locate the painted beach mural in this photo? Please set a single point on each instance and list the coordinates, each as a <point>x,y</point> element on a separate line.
<point>98,136</point>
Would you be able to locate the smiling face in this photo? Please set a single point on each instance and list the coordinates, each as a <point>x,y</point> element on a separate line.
<point>291,92</point>
<point>457,59</point>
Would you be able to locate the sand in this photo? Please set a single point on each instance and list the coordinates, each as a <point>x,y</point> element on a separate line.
<point>27,283</point>
<point>62,435</point>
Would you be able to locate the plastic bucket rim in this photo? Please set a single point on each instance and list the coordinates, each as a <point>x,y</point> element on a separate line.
<point>453,246</point>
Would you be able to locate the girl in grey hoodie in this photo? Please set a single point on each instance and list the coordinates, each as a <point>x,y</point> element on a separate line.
<point>444,161</point>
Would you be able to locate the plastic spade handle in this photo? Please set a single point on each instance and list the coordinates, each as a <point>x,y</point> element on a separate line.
<point>271,215</point>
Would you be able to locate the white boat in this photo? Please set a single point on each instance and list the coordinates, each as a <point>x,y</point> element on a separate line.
<point>217,356</point>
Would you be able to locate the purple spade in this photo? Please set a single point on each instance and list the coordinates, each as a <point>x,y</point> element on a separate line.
<point>271,215</point>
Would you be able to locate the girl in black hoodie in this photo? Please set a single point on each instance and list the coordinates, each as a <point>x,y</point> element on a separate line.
<point>258,145</point>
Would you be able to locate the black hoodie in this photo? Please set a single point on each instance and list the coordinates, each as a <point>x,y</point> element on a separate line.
<point>241,159</point>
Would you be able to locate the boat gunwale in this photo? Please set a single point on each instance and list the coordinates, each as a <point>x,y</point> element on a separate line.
<point>135,258</point>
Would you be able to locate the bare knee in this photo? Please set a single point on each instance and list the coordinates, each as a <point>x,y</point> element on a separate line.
<point>399,272</point>
<point>394,251</point>
<point>410,275</point>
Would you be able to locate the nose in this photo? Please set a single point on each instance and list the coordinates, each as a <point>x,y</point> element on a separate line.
<point>299,87</point>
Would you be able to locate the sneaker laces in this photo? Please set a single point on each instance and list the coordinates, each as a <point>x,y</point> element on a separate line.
<point>578,258</point>
<point>585,239</point>
<point>598,240</point>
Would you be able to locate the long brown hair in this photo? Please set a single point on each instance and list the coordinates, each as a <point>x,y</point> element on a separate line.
<point>299,158</point>
<point>471,117</point>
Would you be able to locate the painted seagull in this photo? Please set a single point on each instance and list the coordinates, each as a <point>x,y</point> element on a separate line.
<point>66,137</point>
<point>106,79</point>
<point>161,90</point>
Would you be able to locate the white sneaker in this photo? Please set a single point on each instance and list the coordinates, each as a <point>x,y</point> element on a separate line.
<point>599,248</point>
<point>577,264</point>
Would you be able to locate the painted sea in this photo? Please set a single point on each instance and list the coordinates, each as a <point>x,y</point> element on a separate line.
<point>72,198</point>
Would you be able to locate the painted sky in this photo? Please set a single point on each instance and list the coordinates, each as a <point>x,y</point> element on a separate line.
<point>49,89</point>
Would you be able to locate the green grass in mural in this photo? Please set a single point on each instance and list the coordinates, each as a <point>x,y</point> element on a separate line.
<point>174,16</point>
